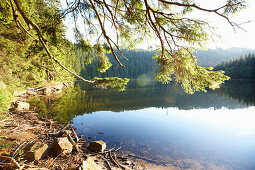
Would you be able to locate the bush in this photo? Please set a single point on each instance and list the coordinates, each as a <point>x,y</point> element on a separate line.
<point>5,100</point>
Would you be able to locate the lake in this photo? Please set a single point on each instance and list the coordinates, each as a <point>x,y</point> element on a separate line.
<point>163,125</point>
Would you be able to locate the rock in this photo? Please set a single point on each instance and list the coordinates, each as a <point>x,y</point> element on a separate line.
<point>52,88</point>
<point>36,151</point>
<point>62,145</point>
<point>31,92</point>
<point>22,106</point>
<point>97,146</point>
<point>58,87</point>
<point>89,164</point>
<point>47,91</point>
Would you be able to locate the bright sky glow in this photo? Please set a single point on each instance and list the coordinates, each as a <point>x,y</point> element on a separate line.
<point>229,38</point>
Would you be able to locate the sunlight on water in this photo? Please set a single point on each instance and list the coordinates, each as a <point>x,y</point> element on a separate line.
<point>236,119</point>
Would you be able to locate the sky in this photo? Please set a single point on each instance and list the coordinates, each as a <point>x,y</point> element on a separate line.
<point>230,38</point>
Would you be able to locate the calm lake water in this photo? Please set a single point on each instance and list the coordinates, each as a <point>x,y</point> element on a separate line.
<point>213,130</point>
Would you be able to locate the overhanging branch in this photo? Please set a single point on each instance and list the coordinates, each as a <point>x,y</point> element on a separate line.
<point>40,37</point>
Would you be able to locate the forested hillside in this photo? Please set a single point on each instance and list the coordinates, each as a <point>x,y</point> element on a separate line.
<point>211,58</point>
<point>140,62</point>
<point>241,68</point>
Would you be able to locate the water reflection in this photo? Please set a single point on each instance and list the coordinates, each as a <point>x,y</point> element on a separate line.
<point>213,130</point>
<point>242,91</point>
<point>163,96</point>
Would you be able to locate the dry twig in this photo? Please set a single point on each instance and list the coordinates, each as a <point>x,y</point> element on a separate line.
<point>72,141</point>
<point>13,161</point>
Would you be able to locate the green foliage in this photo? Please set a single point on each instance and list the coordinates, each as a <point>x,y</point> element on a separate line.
<point>27,64</point>
<point>104,63</point>
<point>112,82</point>
<point>185,71</point>
<point>5,98</point>
<point>170,22</point>
<point>60,109</point>
<point>24,63</point>
<point>232,8</point>
<point>5,13</point>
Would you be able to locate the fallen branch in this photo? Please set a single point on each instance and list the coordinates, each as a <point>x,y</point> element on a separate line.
<point>116,161</point>
<point>75,135</point>
<point>30,23</point>
<point>106,161</point>
<point>72,141</point>
<point>13,161</point>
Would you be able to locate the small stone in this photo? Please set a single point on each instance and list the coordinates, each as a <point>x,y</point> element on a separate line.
<point>62,145</point>
<point>97,146</point>
<point>47,91</point>
<point>89,164</point>
<point>22,106</point>
<point>36,151</point>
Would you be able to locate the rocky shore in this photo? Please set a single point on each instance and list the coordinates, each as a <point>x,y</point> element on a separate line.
<point>28,141</point>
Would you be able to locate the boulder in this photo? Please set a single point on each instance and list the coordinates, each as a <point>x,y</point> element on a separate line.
<point>36,151</point>
<point>22,106</point>
<point>62,145</point>
<point>90,164</point>
<point>97,146</point>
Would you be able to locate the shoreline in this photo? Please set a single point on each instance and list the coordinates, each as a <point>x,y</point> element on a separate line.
<point>23,127</point>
